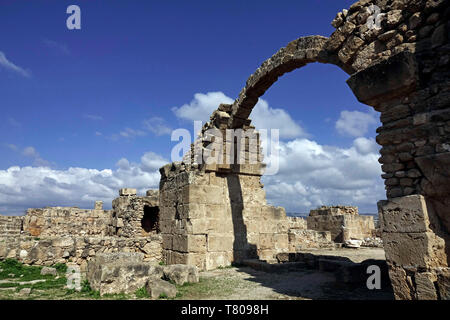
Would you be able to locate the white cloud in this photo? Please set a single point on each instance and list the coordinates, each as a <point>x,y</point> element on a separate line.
<point>157,125</point>
<point>355,123</point>
<point>130,133</point>
<point>11,66</point>
<point>201,107</point>
<point>263,116</point>
<point>34,187</point>
<point>37,160</point>
<point>311,174</point>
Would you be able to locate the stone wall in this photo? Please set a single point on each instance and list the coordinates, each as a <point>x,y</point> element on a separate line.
<point>415,248</point>
<point>334,211</point>
<point>10,226</point>
<point>297,223</point>
<point>73,235</point>
<point>309,239</point>
<point>211,218</point>
<point>63,221</point>
<point>75,249</point>
<point>128,211</point>
<point>343,222</point>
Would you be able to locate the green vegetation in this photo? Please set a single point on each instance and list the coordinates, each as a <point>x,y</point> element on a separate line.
<point>141,293</point>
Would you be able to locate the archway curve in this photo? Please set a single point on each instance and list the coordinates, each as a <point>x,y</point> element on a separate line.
<point>295,55</point>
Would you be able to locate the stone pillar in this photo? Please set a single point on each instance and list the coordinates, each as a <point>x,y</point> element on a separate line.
<point>415,248</point>
<point>98,205</point>
<point>409,90</point>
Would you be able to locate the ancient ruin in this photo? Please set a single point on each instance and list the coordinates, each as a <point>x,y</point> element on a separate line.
<point>212,213</point>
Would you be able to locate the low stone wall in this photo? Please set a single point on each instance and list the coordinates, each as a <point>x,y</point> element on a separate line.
<point>344,226</point>
<point>65,221</point>
<point>78,249</point>
<point>10,225</point>
<point>334,211</point>
<point>297,223</point>
<point>308,239</point>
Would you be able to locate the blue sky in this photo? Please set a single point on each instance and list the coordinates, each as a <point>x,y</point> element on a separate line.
<point>106,97</point>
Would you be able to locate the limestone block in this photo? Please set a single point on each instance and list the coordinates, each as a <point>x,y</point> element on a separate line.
<point>181,273</point>
<point>157,288</point>
<point>403,289</point>
<point>202,194</point>
<point>266,241</point>
<point>425,285</point>
<point>119,273</point>
<point>414,249</point>
<point>127,192</point>
<point>48,270</point>
<point>219,242</point>
<point>189,243</point>
<point>217,259</point>
<point>404,214</point>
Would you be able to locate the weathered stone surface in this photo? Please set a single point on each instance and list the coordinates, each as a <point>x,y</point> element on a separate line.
<point>48,270</point>
<point>157,288</point>
<point>181,274</point>
<point>404,214</point>
<point>120,272</point>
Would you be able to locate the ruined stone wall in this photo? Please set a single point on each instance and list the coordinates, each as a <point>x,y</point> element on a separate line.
<point>63,221</point>
<point>334,211</point>
<point>10,226</point>
<point>343,224</point>
<point>212,219</point>
<point>309,239</point>
<point>403,73</point>
<point>75,249</point>
<point>297,223</point>
<point>128,213</point>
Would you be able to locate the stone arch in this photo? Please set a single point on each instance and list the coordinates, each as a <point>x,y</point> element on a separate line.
<point>399,68</point>
<point>295,55</point>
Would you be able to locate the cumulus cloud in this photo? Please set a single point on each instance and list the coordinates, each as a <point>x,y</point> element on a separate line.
<point>30,187</point>
<point>31,152</point>
<point>263,116</point>
<point>157,125</point>
<point>355,123</point>
<point>201,107</point>
<point>4,62</point>
<point>311,175</point>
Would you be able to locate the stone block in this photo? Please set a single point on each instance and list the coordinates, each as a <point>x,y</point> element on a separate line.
<point>404,214</point>
<point>127,192</point>
<point>420,250</point>
<point>116,273</point>
<point>219,242</point>
<point>158,288</point>
<point>181,273</point>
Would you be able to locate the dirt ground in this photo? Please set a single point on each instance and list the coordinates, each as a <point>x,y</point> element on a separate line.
<point>235,283</point>
<point>244,283</point>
